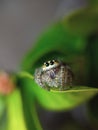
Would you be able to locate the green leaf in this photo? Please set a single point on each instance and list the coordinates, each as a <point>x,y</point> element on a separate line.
<point>58,100</point>
<point>83,22</point>
<point>21,112</point>
<point>56,43</point>
<point>15,116</point>
<point>2,106</point>
<point>30,112</point>
<point>93,3</point>
<point>65,38</point>
<point>2,113</point>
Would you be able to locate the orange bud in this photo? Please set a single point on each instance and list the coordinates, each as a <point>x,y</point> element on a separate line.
<point>6,83</point>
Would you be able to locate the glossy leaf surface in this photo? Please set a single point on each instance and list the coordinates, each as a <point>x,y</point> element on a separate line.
<point>58,100</point>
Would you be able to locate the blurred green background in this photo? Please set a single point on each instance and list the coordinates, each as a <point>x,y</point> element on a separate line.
<point>21,23</point>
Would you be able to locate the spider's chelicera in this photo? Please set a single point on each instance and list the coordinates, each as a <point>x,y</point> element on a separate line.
<point>54,75</point>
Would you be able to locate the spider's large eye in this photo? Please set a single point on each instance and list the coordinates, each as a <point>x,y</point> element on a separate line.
<point>46,64</point>
<point>51,62</point>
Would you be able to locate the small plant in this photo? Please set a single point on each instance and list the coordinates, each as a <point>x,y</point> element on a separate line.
<point>73,40</point>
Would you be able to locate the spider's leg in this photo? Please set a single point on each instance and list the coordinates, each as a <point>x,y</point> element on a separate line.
<point>63,77</point>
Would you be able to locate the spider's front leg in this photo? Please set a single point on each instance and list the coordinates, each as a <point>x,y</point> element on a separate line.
<point>38,77</point>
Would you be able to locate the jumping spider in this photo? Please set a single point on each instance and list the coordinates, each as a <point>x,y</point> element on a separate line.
<point>54,75</point>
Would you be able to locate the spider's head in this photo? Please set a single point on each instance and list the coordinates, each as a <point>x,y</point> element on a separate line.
<point>50,64</point>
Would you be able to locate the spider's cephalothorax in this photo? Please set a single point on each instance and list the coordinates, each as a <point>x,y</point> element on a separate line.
<point>54,75</point>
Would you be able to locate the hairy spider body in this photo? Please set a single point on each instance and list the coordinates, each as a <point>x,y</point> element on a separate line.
<point>54,75</point>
